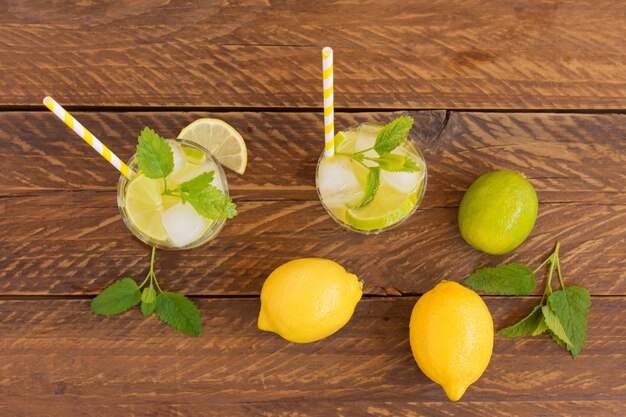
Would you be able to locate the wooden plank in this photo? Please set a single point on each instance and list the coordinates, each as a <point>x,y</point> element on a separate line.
<point>149,406</point>
<point>283,148</point>
<point>76,243</point>
<point>427,54</point>
<point>568,157</point>
<point>575,161</point>
<point>60,359</point>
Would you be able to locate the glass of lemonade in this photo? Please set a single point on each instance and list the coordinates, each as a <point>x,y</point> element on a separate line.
<point>341,183</point>
<point>164,221</point>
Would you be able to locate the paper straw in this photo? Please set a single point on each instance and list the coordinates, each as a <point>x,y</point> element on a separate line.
<point>80,130</point>
<point>329,114</point>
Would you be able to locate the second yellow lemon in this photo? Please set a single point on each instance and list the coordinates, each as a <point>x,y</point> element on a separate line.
<point>451,334</point>
<point>308,299</point>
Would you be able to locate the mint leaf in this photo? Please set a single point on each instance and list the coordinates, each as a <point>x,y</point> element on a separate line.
<point>396,163</point>
<point>531,325</point>
<point>571,306</point>
<point>116,298</point>
<point>147,308</point>
<point>557,340</point>
<point>179,312</point>
<point>393,134</point>
<point>154,155</point>
<point>554,325</point>
<point>410,166</point>
<point>371,186</point>
<point>390,162</point>
<point>206,199</point>
<point>148,295</point>
<point>198,183</point>
<point>510,279</point>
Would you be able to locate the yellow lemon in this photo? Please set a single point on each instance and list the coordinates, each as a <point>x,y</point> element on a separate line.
<point>308,299</point>
<point>451,334</point>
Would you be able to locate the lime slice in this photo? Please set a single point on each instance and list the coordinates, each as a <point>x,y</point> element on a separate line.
<point>221,139</point>
<point>345,141</point>
<point>388,208</point>
<point>144,207</point>
<point>194,156</point>
<point>338,140</point>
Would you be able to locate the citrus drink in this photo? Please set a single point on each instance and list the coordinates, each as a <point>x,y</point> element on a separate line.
<point>342,182</point>
<point>163,220</point>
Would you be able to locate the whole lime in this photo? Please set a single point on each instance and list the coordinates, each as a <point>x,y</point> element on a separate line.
<point>498,212</point>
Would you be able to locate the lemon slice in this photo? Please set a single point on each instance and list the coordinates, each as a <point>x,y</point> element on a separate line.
<point>221,139</point>
<point>388,208</point>
<point>144,207</point>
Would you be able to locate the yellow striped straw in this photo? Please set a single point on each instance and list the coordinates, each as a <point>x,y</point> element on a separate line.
<point>329,113</point>
<point>80,130</point>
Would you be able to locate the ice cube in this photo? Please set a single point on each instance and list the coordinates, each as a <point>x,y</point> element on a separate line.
<point>182,224</point>
<point>405,182</point>
<point>179,157</point>
<point>338,183</point>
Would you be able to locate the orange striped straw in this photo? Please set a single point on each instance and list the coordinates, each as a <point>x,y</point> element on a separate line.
<point>87,136</point>
<point>329,114</point>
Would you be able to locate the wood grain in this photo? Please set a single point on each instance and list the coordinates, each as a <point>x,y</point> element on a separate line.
<point>576,162</point>
<point>568,157</point>
<point>60,359</point>
<point>423,54</point>
<point>75,243</point>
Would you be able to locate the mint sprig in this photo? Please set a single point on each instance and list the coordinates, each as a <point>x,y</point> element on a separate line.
<point>391,136</point>
<point>176,310</point>
<point>562,313</point>
<point>156,160</point>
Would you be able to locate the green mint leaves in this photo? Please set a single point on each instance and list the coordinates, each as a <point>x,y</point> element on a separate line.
<point>154,155</point>
<point>117,298</point>
<point>388,139</point>
<point>396,163</point>
<point>531,325</point>
<point>511,279</point>
<point>206,199</point>
<point>174,309</point>
<point>371,186</point>
<point>179,312</point>
<point>393,135</point>
<point>562,314</point>
<point>156,160</point>
<point>571,305</point>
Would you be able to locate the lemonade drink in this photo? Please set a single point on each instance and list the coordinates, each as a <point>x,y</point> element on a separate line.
<point>342,182</point>
<point>163,220</point>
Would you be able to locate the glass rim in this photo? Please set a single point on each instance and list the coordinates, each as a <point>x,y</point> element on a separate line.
<point>209,234</point>
<point>351,228</point>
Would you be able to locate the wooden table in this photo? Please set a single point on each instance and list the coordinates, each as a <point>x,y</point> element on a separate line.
<point>538,87</point>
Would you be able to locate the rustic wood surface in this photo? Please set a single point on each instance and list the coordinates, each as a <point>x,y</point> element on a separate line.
<point>538,87</point>
<point>581,182</point>
<point>564,54</point>
<point>236,370</point>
